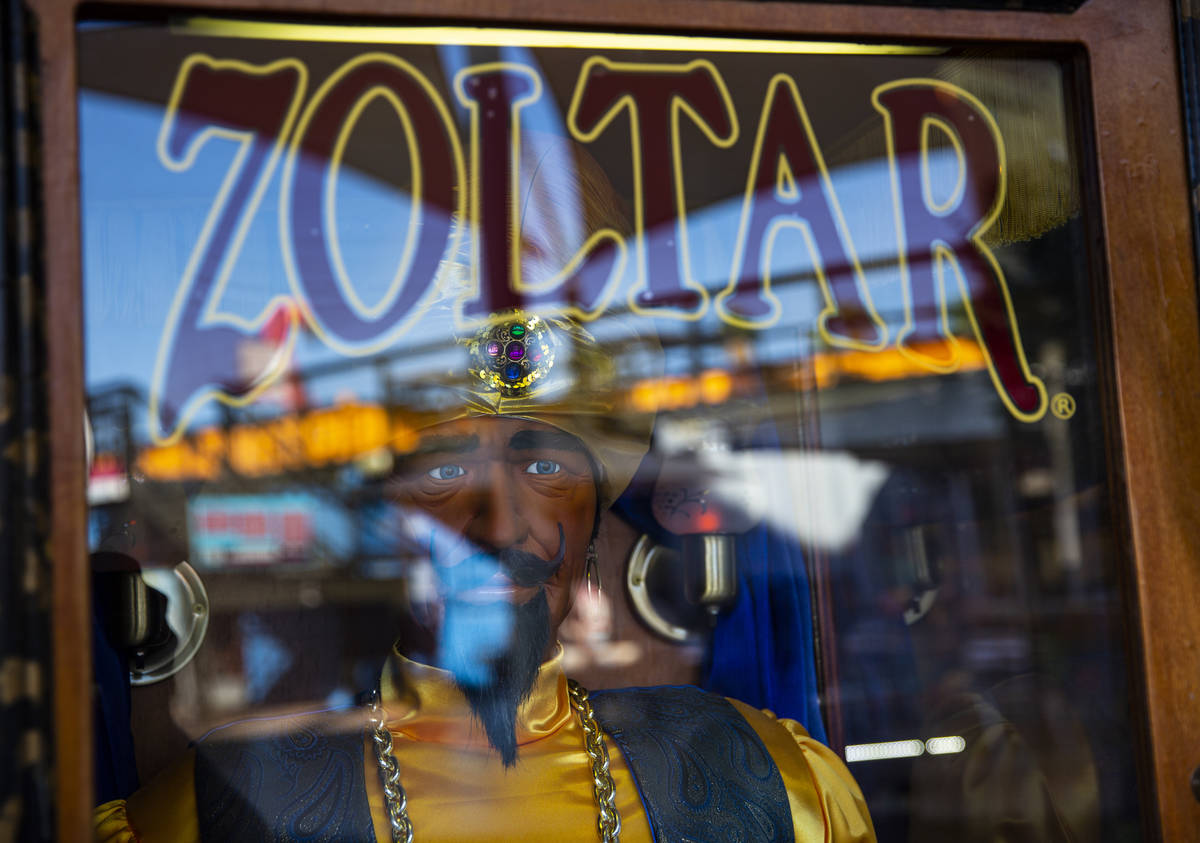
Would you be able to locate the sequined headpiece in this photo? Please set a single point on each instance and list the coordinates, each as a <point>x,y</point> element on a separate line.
<point>513,354</point>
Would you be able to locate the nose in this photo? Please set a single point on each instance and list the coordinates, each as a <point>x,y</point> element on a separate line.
<point>496,520</point>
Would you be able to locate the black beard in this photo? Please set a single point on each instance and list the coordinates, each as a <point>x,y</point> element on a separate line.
<point>513,673</point>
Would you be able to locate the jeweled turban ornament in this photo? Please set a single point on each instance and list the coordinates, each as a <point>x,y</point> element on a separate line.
<point>512,354</point>
<point>550,369</point>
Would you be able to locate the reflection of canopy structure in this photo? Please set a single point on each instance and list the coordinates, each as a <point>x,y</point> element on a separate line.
<point>1041,173</point>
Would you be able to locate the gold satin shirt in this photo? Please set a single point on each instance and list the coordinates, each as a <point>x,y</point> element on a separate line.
<point>459,790</point>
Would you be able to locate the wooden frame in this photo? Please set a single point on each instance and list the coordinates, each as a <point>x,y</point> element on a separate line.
<point>1153,299</point>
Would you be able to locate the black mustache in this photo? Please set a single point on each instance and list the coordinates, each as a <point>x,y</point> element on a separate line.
<point>528,569</point>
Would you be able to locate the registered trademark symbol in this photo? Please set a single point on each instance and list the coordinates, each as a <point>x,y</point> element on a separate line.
<point>1062,405</point>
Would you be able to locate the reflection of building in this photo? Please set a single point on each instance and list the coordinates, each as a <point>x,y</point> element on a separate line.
<point>291,529</point>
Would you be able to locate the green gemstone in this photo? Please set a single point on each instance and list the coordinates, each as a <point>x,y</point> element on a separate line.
<point>517,331</point>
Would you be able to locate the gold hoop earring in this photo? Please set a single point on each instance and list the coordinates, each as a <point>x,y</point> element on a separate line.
<point>592,572</point>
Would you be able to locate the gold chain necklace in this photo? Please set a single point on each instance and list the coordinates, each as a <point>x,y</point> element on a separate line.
<point>608,823</point>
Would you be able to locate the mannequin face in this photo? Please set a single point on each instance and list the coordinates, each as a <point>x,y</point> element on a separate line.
<point>519,494</point>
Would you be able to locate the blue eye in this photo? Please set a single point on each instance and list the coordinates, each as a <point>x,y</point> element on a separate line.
<point>446,472</point>
<point>543,467</point>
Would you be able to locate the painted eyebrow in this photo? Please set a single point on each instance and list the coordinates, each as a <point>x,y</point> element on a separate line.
<point>435,445</point>
<point>545,440</point>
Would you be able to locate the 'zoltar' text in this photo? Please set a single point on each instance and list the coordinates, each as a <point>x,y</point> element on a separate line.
<point>285,131</point>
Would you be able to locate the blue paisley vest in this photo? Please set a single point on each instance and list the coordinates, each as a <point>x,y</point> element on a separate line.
<point>702,772</point>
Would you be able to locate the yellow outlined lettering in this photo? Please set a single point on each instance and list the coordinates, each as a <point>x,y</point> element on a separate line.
<point>211,315</point>
<point>330,211</point>
<point>944,253</point>
<point>790,191</point>
<point>391,333</point>
<point>678,105</point>
<point>929,122</point>
<point>475,204</point>
<point>785,181</point>
<point>475,220</point>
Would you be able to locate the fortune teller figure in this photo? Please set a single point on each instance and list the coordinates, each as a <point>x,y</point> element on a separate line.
<point>474,733</point>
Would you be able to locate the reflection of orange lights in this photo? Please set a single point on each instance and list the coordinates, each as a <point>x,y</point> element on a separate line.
<point>323,437</point>
<point>891,364</point>
<point>710,387</point>
<point>342,434</point>
<point>681,393</point>
<point>199,457</point>
<point>715,386</point>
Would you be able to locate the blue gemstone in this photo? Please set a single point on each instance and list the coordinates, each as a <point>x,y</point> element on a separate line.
<point>512,372</point>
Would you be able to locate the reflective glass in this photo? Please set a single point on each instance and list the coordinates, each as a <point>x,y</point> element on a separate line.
<point>773,367</point>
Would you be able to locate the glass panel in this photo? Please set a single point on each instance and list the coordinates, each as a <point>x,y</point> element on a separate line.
<point>772,367</point>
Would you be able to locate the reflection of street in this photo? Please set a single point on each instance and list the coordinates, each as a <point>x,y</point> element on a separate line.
<point>945,631</point>
<point>275,645</point>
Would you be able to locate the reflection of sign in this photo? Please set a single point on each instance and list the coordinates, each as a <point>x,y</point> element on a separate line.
<point>281,128</point>
<point>322,437</point>
<point>235,530</point>
<point>108,481</point>
<point>1063,406</point>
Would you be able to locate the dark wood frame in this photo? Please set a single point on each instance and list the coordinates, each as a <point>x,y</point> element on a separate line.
<point>1155,334</point>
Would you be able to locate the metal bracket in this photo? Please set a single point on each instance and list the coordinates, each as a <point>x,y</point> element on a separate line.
<point>187,615</point>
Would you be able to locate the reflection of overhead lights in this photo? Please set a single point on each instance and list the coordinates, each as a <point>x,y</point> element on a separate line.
<point>883,751</point>
<point>945,746</point>
<point>904,749</point>
<point>1036,483</point>
<point>497,37</point>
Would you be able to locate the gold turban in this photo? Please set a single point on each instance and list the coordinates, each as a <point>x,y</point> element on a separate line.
<point>550,369</point>
<point>579,385</point>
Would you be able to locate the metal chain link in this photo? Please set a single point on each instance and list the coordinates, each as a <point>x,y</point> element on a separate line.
<point>389,771</point>
<point>608,823</point>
